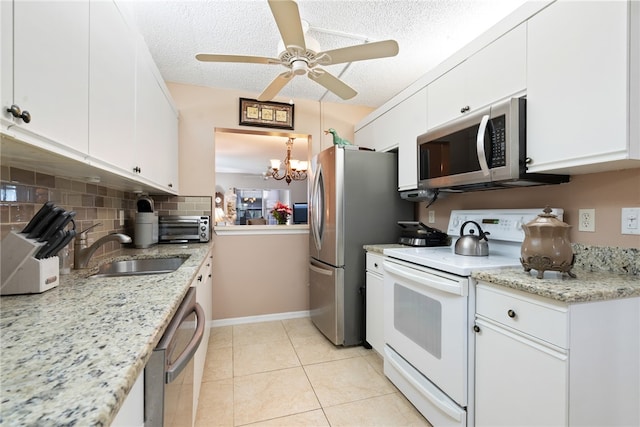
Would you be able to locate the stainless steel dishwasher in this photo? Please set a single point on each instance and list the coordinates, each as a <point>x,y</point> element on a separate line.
<point>168,376</point>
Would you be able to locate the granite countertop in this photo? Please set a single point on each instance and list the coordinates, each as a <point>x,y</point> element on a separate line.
<point>379,248</point>
<point>71,354</point>
<point>587,286</point>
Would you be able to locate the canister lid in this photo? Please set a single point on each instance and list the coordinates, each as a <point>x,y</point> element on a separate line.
<point>145,203</point>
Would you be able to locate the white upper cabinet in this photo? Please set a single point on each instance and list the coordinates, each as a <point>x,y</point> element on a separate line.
<point>493,73</point>
<point>156,148</point>
<point>86,79</point>
<point>112,68</point>
<point>411,114</point>
<point>583,87</point>
<point>50,72</point>
<point>398,128</point>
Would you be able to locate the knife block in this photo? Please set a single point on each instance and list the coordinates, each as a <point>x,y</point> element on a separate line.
<point>21,272</point>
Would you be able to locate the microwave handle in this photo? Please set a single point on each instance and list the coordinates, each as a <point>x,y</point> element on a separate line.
<point>480,145</point>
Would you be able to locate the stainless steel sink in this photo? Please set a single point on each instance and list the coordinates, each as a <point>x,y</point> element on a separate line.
<point>137,267</point>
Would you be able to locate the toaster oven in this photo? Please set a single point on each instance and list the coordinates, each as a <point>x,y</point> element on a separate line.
<point>184,228</point>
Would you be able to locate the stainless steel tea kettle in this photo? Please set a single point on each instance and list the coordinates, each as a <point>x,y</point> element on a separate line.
<point>471,244</point>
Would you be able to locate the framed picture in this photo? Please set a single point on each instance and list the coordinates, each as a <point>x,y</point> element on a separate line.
<point>266,114</point>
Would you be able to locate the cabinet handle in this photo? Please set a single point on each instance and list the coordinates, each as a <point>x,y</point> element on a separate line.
<point>200,278</point>
<point>170,185</point>
<point>375,264</point>
<point>465,109</point>
<point>511,314</point>
<point>476,328</point>
<point>209,277</point>
<point>137,169</point>
<point>17,113</point>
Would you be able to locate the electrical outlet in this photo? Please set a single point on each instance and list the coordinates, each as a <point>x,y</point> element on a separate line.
<point>587,220</point>
<point>629,223</point>
<point>432,217</point>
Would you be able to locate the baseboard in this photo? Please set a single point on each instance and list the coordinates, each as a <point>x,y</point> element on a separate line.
<point>260,318</point>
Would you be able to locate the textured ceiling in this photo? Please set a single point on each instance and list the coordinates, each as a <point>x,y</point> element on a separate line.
<point>427,31</point>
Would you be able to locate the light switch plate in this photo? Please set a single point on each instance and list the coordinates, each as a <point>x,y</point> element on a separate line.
<point>629,221</point>
<point>432,217</point>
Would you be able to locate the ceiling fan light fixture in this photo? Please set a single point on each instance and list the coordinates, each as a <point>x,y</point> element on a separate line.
<point>299,67</point>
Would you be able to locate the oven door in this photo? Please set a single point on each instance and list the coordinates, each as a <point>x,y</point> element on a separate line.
<point>426,324</point>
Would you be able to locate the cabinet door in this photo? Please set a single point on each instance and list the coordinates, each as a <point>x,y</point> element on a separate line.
<point>493,73</point>
<point>577,86</point>
<point>498,71</point>
<point>204,297</point>
<point>446,97</point>
<point>413,113</point>
<point>366,136</point>
<point>112,87</point>
<point>375,311</point>
<point>51,69</point>
<point>518,381</point>
<point>156,127</point>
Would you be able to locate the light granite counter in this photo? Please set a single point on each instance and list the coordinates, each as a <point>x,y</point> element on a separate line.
<point>70,355</point>
<point>587,286</point>
<point>379,248</point>
<point>603,273</point>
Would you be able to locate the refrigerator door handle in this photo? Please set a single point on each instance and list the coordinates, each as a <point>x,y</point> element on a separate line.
<point>317,208</point>
<point>320,270</point>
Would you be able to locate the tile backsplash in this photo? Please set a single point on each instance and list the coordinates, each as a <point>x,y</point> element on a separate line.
<point>23,192</point>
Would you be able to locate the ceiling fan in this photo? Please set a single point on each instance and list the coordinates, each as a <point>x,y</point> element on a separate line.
<point>301,59</point>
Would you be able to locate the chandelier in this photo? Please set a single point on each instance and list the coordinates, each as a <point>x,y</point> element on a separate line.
<point>294,170</point>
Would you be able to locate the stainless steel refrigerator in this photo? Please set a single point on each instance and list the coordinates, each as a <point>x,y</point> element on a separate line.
<point>354,201</point>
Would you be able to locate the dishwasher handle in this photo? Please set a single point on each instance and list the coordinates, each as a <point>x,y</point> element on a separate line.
<point>174,369</point>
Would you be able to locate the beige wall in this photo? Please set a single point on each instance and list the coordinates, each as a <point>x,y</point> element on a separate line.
<point>260,274</point>
<point>203,109</point>
<point>605,192</point>
<point>253,275</point>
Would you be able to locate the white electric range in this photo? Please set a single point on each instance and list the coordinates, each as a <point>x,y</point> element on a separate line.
<point>430,309</point>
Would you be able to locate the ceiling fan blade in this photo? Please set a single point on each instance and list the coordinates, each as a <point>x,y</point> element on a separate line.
<point>332,83</point>
<point>359,52</point>
<point>207,57</point>
<point>287,17</point>
<point>275,86</point>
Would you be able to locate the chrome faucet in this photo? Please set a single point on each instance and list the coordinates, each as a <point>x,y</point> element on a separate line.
<point>82,253</point>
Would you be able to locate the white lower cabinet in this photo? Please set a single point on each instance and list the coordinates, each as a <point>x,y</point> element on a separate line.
<point>204,296</point>
<point>375,303</point>
<point>518,378</point>
<point>131,413</point>
<point>540,362</point>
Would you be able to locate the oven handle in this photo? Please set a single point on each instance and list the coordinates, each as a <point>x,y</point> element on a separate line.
<point>432,281</point>
<point>185,357</point>
<point>443,405</point>
<point>480,145</point>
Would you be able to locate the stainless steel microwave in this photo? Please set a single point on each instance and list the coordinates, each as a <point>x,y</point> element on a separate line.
<point>482,150</point>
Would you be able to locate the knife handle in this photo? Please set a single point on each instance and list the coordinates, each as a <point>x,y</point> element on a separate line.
<point>44,250</point>
<point>44,223</point>
<point>44,210</point>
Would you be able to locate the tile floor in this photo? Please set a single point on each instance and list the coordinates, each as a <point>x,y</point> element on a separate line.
<point>286,373</point>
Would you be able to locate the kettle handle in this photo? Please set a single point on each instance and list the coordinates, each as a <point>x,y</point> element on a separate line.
<point>483,234</point>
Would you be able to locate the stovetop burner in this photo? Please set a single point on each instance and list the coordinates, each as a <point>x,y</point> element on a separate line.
<point>415,233</point>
